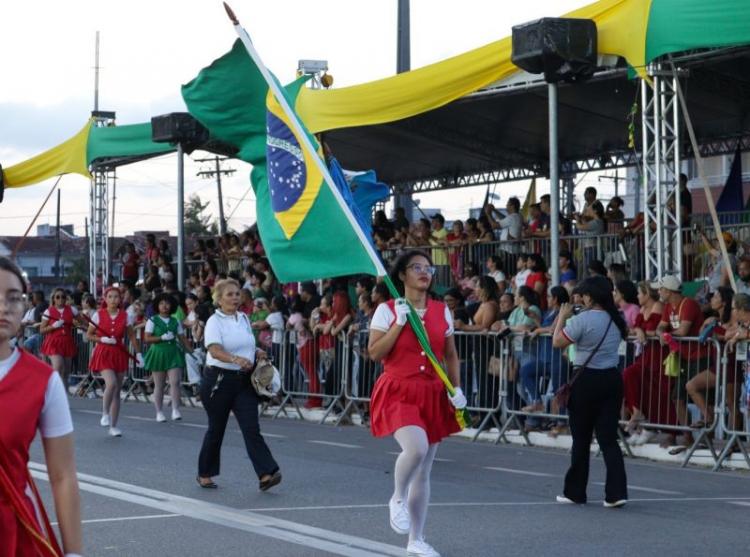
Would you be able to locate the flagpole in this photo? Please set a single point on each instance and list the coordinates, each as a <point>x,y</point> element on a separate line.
<point>302,134</point>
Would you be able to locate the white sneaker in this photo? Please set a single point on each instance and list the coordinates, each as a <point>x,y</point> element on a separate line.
<point>115,432</point>
<point>646,436</point>
<point>616,504</point>
<point>634,439</point>
<point>104,422</point>
<point>160,417</point>
<point>420,548</point>
<point>176,414</point>
<point>399,516</point>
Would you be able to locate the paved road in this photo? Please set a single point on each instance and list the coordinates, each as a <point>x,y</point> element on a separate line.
<point>140,497</point>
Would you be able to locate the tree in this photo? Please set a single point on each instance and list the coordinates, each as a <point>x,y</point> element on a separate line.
<point>196,223</point>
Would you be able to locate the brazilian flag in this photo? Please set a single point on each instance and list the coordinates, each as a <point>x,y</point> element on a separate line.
<point>307,232</point>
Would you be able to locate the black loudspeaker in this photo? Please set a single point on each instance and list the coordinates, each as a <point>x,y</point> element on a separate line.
<point>563,49</point>
<point>178,127</point>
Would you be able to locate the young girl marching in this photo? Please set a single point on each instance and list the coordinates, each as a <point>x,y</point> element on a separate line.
<point>58,328</point>
<point>32,398</point>
<point>108,328</point>
<point>409,401</point>
<point>165,358</point>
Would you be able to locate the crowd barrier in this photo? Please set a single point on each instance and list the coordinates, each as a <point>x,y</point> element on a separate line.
<point>509,383</point>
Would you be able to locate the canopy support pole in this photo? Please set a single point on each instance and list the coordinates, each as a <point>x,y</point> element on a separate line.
<point>554,185</point>
<point>180,217</point>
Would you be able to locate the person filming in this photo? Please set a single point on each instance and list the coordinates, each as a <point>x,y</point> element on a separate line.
<point>596,389</point>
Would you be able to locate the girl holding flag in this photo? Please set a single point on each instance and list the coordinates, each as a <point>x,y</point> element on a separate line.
<point>165,358</point>
<point>32,397</point>
<point>409,400</point>
<point>108,328</point>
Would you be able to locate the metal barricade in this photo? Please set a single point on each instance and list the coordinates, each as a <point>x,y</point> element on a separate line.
<point>323,368</point>
<point>734,411</point>
<point>360,378</point>
<point>138,381</point>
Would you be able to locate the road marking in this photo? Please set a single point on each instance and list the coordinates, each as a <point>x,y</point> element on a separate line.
<point>648,489</point>
<point>332,542</point>
<point>334,444</point>
<point>743,503</point>
<point>121,518</point>
<point>178,423</point>
<point>522,472</point>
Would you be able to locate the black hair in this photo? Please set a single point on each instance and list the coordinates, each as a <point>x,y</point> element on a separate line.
<point>298,305</point>
<point>628,291</point>
<point>727,295</point>
<point>590,189</point>
<point>382,290</point>
<point>191,296</point>
<point>489,286</point>
<point>455,293</point>
<point>515,203</point>
<point>599,289</point>
<point>279,302</point>
<point>498,261</point>
<point>366,282</point>
<point>560,294</point>
<point>203,312</point>
<point>164,297</point>
<point>7,265</point>
<point>308,287</point>
<point>540,265</point>
<point>597,267</point>
<point>399,267</point>
<point>529,294</point>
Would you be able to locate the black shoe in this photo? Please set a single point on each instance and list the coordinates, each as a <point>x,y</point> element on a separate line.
<point>204,485</point>
<point>272,480</point>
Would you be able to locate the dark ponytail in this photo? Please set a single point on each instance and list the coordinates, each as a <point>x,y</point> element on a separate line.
<point>600,290</point>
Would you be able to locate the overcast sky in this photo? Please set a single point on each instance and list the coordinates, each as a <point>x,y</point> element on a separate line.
<point>149,48</point>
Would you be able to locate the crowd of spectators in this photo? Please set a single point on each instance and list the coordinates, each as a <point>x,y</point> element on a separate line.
<point>495,293</point>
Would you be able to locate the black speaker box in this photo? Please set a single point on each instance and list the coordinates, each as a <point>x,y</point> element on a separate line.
<point>178,127</point>
<point>563,49</point>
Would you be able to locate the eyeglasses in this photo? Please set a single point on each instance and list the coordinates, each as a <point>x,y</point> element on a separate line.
<point>419,268</point>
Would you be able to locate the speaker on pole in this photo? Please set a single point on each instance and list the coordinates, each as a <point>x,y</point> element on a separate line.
<point>563,49</point>
<point>178,127</point>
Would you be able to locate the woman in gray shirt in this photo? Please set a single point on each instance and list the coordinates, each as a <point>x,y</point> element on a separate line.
<point>596,390</point>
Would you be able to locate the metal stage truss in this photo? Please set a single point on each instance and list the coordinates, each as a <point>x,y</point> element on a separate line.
<point>102,178</point>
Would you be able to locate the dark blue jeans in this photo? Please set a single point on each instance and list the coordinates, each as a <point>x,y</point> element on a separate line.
<point>234,394</point>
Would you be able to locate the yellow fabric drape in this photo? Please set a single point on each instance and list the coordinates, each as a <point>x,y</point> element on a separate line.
<point>621,26</point>
<point>66,158</point>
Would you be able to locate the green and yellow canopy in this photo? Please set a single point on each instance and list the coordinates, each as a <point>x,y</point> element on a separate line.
<point>640,31</point>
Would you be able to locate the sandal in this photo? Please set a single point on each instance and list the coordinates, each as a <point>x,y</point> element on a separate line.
<point>270,481</point>
<point>677,450</point>
<point>210,484</point>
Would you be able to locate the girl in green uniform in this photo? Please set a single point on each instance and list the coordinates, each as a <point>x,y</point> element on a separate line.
<point>165,357</point>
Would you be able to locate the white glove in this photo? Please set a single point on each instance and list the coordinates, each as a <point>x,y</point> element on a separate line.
<point>275,385</point>
<point>139,360</point>
<point>108,340</point>
<point>458,400</point>
<point>402,311</point>
<point>167,336</point>
<point>59,323</point>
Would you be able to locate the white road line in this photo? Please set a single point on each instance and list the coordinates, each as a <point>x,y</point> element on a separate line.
<point>332,542</point>
<point>522,472</point>
<point>121,518</point>
<point>334,444</point>
<point>742,503</point>
<point>648,489</point>
<point>177,423</point>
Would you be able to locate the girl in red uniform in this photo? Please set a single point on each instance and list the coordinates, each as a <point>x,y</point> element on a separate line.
<point>110,357</point>
<point>58,328</point>
<point>409,401</point>
<point>32,398</point>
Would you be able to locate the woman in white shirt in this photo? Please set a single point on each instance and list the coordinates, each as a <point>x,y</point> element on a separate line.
<point>226,387</point>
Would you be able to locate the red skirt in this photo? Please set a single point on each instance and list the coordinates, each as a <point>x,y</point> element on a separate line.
<point>420,400</point>
<point>108,356</point>
<point>59,345</point>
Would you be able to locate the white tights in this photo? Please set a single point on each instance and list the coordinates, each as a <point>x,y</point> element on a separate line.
<point>412,475</point>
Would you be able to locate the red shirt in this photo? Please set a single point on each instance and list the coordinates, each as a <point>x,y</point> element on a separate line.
<point>687,310</point>
<point>531,281</point>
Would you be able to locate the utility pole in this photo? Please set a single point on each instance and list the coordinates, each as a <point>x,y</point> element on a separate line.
<point>217,171</point>
<point>57,242</point>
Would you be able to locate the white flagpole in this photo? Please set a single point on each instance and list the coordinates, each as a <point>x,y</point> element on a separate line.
<point>300,132</point>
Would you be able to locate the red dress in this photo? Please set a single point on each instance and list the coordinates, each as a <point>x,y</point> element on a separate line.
<point>22,393</point>
<point>59,342</point>
<point>645,385</point>
<point>409,392</point>
<point>111,356</point>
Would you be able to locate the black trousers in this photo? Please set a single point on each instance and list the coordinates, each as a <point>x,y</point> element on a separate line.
<point>594,406</point>
<point>234,394</point>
